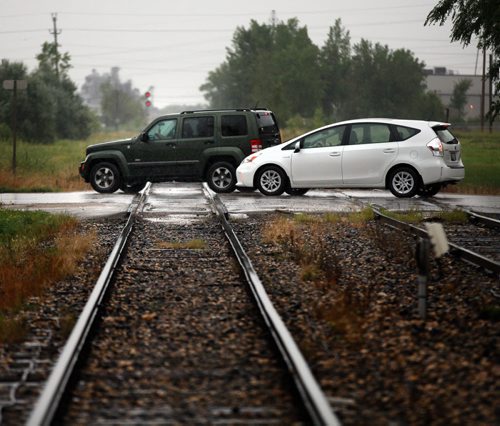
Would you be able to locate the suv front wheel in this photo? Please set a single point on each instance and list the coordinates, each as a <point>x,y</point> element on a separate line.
<point>221,177</point>
<point>105,178</point>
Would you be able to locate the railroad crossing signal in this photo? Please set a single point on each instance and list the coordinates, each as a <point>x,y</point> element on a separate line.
<point>149,98</point>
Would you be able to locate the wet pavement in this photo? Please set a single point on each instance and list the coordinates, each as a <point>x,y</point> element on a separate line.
<point>187,199</point>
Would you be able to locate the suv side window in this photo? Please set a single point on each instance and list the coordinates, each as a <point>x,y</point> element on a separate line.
<point>324,138</point>
<point>234,125</point>
<point>164,129</point>
<point>369,133</point>
<point>197,127</point>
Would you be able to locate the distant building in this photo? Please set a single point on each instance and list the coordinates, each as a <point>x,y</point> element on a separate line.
<point>442,82</point>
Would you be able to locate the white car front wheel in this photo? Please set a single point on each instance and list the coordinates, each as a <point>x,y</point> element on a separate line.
<point>271,181</point>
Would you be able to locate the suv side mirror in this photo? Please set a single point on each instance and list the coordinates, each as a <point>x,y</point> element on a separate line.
<point>297,147</point>
<point>143,137</point>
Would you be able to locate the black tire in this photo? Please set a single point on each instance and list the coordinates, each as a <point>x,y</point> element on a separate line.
<point>105,178</point>
<point>134,188</point>
<point>271,181</point>
<point>429,190</point>
<point>246,188</point>
<point>404,182</point>
<point>296,191</point>
<point>221,177</point>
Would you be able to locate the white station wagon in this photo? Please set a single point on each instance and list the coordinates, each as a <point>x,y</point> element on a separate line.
<point>408,157</point>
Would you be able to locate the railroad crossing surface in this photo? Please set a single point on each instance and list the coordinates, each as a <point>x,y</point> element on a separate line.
<point>181,199</point>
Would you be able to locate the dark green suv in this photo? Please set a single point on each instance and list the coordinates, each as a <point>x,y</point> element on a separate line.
<point>204,145</point>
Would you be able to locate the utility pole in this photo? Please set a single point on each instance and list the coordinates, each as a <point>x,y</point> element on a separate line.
<point>482,89</point>
<point>15,86</point>
<point>273,19</point>
<point>490,92</point>
<point>55,32</point>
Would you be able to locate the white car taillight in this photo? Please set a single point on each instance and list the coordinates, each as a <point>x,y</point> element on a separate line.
<point>436,147</point>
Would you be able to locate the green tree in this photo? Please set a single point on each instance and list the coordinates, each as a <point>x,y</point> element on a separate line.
<point>50,108</point>
<point>459,98</point>
<point>474,18</point>
<point>121,103</point>
<point>335,64</point>
<point>268,65</point>
<point>384,82</point>
<point>72,119</point>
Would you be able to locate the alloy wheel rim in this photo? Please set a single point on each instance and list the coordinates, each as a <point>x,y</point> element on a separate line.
<point>270,180</point>
<point>104,177</point>
<point>403,182</point>
<point>222,177</point>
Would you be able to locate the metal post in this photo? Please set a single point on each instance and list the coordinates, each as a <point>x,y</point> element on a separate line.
<point>482,89</point>
<point>490,95</point>
<point>422,256</point>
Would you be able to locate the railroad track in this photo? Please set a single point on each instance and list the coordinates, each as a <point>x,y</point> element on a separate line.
<point>170,334</point>
<point>477,242</point>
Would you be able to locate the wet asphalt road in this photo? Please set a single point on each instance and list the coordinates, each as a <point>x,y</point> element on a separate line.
<point>181,199</point>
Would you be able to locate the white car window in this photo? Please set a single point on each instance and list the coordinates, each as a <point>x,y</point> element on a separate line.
<point>369,133</point>
<point>324,138</point>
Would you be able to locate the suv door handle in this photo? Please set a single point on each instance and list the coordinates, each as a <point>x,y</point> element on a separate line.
<point>209,142</point>
<point>334,154</point>
<point>389,151</point>
<point>171,144</point>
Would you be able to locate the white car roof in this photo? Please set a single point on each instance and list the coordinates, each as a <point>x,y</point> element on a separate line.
<point>419,124</point>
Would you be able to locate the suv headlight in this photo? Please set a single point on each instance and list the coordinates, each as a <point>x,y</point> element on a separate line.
<point>436,147</point>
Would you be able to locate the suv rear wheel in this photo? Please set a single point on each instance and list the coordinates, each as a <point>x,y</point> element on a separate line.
<point>105,178</point>
<point>221,177</point>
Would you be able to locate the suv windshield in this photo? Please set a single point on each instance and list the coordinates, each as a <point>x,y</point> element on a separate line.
<point>265,121</point>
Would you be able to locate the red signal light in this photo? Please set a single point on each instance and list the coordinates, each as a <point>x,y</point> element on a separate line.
<point>147,95</point>
<point>148,103</point>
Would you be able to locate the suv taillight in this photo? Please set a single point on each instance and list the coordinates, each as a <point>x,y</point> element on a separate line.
<point>256,145</point>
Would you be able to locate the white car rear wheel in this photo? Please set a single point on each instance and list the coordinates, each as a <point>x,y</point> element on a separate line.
<point>403,182</point>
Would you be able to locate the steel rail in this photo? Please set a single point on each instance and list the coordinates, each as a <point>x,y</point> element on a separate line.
<point>465,254</point>
<point>312,395</point>
<point>48,403</point>
<point>485,220</point>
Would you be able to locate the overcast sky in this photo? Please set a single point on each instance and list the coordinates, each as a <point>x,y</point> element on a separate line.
<point>172,45</point>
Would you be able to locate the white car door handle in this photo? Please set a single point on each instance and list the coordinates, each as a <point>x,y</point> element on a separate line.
<point>334,154</point>
<point>389,151</point>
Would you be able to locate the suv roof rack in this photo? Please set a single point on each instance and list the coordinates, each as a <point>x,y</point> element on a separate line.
<point>224,109</point>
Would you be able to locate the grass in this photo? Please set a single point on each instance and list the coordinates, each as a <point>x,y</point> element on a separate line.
<point>47,167</point>
<point>481,157</point>
<point>309,241</point>
<point>37,249</point>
